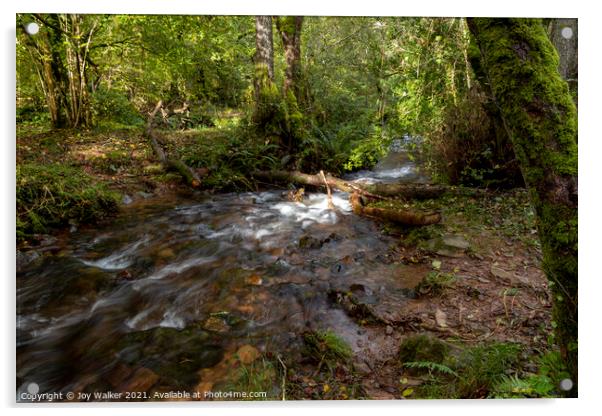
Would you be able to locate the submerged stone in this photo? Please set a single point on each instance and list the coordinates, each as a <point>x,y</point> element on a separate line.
<point>216,324</point>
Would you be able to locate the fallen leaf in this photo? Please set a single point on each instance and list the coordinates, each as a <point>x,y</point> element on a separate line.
<point>436,264</point>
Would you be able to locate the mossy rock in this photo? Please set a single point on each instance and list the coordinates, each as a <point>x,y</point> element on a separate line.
<point>422,348</point>
<point>328,347</point>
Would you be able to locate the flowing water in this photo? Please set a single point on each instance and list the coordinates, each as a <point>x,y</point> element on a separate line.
<point>172,284</point>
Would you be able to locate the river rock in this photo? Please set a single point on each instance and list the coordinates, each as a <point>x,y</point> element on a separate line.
<point>307,241</point>
<point>166,253</point>
<point>247,354</point>
<point>501,273</point>
<point>24,258</point>
<point>449,245</point>
<point>142,380</point>
<point>254,280</point>
<point>216,324</point>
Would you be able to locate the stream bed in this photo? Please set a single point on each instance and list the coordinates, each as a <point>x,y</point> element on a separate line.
<point>172,284</point>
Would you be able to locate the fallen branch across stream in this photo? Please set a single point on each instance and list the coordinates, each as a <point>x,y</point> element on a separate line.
<point>357,191</point>
<point>189,175</point>
<point>375,191</point>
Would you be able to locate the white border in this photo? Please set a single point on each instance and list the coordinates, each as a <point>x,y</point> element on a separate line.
<point>589,217</point>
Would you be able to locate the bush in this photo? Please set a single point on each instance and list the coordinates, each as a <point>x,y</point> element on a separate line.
<point>112,105</point>
<point>471,147</point>
<point>52,195</point>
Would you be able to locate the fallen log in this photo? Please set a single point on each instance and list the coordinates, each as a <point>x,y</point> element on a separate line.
<point>405,217</point>
<point>189,175</point>
<point>376,190</point>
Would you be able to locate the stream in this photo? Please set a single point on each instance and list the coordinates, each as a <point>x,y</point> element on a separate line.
<point>170,285</point>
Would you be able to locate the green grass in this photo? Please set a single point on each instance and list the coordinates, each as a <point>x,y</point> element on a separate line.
<point>259,376</point>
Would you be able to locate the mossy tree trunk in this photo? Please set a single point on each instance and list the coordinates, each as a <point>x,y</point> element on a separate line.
<point>267,96</point>
<point>289,28</point>
<point>290,33</point>
<point>521,65</point>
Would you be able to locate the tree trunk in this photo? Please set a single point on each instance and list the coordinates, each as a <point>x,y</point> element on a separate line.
<point>264,45</point>
<point>267,97</point>
<point>541,118</point>
<point>61,49</point>
<point>399,216</point>
<point>567,46</point>
<point>290,33</point>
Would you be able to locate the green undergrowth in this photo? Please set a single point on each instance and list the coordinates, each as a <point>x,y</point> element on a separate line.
<point>230,156</point>
<point>55,194</point>
<point>487,370</point>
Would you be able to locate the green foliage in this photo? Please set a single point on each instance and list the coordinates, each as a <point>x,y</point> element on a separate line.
<point>430,366</point>
<point>436,282</point>
<point>474,372</point>
<point>109,104</point>
<point>551,371</point>
<point>51,195</point>
<point>472,148</point>
<point>230,156</point>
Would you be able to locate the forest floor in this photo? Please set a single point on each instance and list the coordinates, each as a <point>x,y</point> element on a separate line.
<point>483,291</point>
<point>119,157</point>
<point>484,297</point>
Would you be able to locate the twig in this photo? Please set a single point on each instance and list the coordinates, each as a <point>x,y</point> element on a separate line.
<point>330,204</point>
<point>283,378</point>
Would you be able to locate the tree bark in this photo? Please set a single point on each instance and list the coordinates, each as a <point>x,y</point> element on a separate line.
<point>264,44</point>
<point>267,97</point>
<point>290,33</point>
<point>189,175</point>
<point>404,217</point>
<point>541,118</point>
<point>567,48</point>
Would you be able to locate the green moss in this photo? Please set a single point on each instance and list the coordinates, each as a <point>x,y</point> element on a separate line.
<point>328,347</point>
<point>52,195</point>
